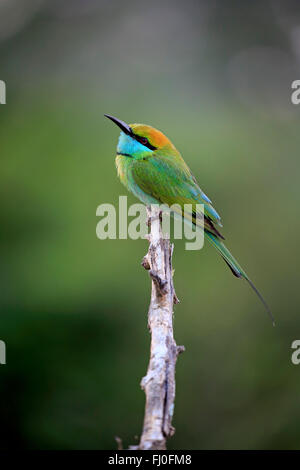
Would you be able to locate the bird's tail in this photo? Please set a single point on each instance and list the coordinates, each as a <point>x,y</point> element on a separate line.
<point>235,267</point>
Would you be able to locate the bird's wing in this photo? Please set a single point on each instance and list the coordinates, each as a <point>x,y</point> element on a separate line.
<point>170,181</point>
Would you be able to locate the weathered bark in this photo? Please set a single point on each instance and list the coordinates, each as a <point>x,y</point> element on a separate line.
<point>159,383</point>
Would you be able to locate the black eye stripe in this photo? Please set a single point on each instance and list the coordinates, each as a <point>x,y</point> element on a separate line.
<point>144,141</point>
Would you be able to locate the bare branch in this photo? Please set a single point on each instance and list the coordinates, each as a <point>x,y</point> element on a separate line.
<point>119,442</point>
<point>159,383</point>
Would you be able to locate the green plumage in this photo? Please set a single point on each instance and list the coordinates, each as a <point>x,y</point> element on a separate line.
<point>154,171</point>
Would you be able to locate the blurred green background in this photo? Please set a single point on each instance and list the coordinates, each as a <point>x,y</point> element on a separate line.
<point>216,78</point>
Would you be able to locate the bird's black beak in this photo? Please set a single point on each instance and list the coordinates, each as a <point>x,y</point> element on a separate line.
<point>122,125</point>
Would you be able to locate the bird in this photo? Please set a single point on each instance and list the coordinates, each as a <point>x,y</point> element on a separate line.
<point>150,167</point>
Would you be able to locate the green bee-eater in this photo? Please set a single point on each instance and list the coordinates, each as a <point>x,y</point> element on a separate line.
<point>150,167</point>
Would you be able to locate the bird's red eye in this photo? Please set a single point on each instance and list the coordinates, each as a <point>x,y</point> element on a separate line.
<point>143,140</point>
